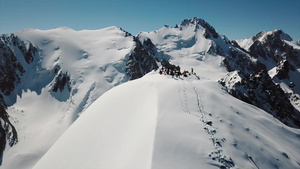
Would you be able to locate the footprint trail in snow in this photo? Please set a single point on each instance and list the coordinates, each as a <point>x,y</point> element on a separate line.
<point>186,88</point>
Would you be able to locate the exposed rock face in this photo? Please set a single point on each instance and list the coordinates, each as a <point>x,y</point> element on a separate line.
<point>239,60</point>
<point>62,80</point>
<point>8,133</point>
<point>268,51</point>
<point>283,68</point>
<point>273,46</point>
<point>10,68</point>
<point>11,71</point>
<point>260,90</point>
<point>141,60</point>
<point>15,56</point>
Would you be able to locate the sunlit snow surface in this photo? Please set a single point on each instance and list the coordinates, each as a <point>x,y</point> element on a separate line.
<point>187,47</point>
<point>154,122</point>
<point>95,61</point>
<point>163,122</point>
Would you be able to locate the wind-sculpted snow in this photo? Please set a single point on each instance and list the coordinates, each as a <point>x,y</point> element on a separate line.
<point>179,123</point>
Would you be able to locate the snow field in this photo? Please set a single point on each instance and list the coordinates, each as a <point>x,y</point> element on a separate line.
<point>163,122</point>
<point>94,62</point>
<point>124,138</point>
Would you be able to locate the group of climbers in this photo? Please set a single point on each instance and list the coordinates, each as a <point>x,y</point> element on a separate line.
<point>170,71</point>
<point>173,70</point>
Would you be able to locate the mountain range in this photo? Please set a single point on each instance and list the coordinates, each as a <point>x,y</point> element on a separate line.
<point>238,109</point>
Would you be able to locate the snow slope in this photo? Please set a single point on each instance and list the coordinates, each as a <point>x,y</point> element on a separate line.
<point>187,46</point>
<point>94,61</point>
<point>161,122</point>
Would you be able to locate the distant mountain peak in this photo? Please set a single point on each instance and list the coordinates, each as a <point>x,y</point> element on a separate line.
<point>277,34</point>
<point>194,21</point>
<point>200,22</point>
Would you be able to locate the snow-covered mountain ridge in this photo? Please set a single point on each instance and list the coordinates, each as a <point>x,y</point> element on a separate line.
<point>55,75</point>
<point>268,67</point>
<point>50,77</point>
<point>179,123</point>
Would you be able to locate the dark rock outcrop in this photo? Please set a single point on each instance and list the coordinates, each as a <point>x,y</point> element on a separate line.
<point>11,69</point>
<point>260,90</point>
<point>256,87</point>
<point>7,131</point>
<point>62,80</point>
<point>142,59</point>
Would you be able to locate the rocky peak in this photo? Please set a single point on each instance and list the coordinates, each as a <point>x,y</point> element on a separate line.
<point>272,45</point>
<point>272,36</point>
<point>209,30</point>
<point>141,60</point>
<point>126,33</point>
<point>194,21</point>
<point>272,61</point>
<point>10,68</point>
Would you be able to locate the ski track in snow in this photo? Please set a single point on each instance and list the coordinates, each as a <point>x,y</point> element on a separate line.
<point>218,154</point>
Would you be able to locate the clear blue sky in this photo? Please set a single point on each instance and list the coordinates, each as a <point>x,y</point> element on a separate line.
<point>234,18</point>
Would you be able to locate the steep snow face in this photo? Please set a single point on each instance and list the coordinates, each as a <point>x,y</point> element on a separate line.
<point>69,71</point>
<point>196,44</point>
<point>245,43</point>
<point>79,51</point>
<point>175,125</point>
<point>192,44</point>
